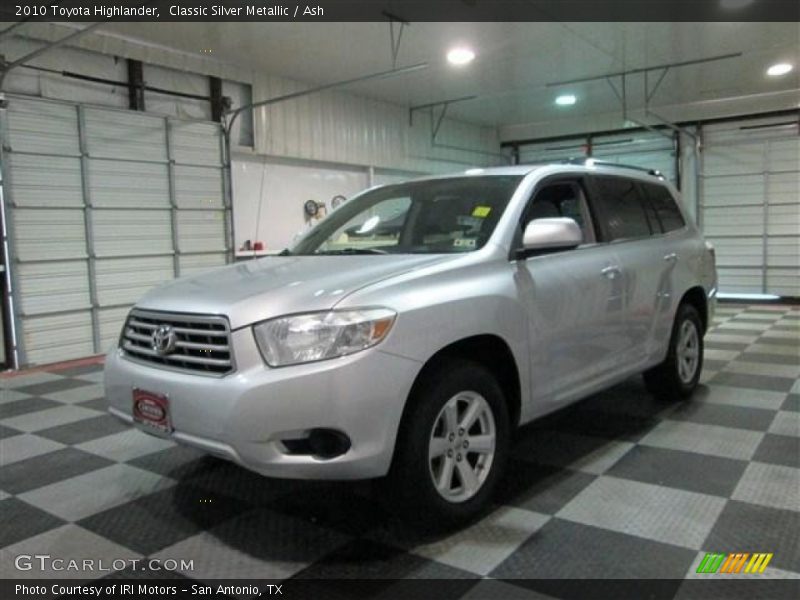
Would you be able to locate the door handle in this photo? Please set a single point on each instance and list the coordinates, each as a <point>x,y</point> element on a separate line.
<point>611,272</point>
<point>671,257</point>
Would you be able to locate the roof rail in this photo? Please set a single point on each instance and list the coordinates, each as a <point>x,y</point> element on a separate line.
<point>606,163</point>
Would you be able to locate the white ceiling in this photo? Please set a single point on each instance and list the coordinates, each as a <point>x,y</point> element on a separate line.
<point>514,61</point>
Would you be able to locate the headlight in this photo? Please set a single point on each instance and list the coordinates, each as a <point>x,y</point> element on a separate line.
<point>318,336</point>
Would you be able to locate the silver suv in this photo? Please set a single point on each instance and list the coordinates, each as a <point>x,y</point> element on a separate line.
<point>410,332</point>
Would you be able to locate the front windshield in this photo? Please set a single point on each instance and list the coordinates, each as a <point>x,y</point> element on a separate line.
<point>422,217</point>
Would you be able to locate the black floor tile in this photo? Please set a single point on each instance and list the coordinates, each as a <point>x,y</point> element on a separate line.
<point>758,529</point>
<point>683,470</point>
<point>223,477</point>
<point>84,430</point>
<point>24,406</point>
<point>540,488</point>
<point>99,404</point>
<point>779,450</point>
<point>792,403</point>
<point>366,559</point>
<point>565,550</point>
<point>45,469</point>
<point>757,382</point>
<point>57,385</point>
<point>611,426</point>
<point>757,419</point>
<point>333,505</point>
<point>20,521</point>
<point>178,462</point>
<point>6,432</point>
<point>158,520</point>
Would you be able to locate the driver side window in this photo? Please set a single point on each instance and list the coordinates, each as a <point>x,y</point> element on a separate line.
<point>562,199</point>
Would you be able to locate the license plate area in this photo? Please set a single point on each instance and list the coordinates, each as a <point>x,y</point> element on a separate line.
<point>151,411</point>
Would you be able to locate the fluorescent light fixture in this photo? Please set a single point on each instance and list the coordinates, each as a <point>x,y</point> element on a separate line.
<point>460,56</point>
<point>735,4</point>
<point>566,100</point>
<point>748,297</point>
<point>779,69</point>
<point>476,171</point>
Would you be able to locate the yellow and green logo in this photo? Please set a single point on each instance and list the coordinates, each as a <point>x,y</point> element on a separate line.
<point>732,563</point>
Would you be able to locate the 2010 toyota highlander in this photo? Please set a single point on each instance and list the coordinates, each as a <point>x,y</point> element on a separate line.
<point>414,328</point>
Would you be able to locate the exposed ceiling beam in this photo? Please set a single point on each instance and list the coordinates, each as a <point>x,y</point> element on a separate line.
<point>685,63</point>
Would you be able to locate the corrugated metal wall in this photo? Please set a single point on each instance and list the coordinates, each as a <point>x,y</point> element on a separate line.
<point>344,128</point>
<point>103,204</point>
<point>750,204</point>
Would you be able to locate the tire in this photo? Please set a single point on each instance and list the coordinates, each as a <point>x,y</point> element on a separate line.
<point>677,377</point>
<point>410,487</point>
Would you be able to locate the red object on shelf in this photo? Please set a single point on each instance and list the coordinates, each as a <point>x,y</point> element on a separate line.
<point>257,246</point>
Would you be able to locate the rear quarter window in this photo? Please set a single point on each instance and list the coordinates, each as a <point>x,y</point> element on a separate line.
<point>664,206</point>
<point>620,208</point>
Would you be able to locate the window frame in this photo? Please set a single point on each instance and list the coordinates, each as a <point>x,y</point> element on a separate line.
<point>643,191</point>
<point>602,225</point>
<point>578,180</point>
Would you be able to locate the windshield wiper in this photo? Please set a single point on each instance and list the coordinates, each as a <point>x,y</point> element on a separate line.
<point>354,251</point>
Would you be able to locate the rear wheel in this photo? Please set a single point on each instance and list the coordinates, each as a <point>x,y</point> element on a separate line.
<point>451,447</point>
<point>678,375</point>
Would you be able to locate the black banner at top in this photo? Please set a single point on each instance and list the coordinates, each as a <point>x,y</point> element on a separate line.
<point>402,10</point>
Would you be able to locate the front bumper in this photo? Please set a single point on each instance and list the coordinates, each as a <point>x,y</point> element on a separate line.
<point>244,416</point>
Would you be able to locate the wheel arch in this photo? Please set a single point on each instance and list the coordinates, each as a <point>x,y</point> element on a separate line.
<point>489,350</point>
<point>696,297</point>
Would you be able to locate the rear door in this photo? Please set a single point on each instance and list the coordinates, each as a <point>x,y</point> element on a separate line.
<point>632,226</point>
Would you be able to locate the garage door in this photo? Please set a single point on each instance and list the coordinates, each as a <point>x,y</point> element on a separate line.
<point>647,150</point>
<point>750,204</point>
<point>643,149</point>
<point>102,205</point>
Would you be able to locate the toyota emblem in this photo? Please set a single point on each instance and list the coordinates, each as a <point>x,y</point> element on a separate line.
<point>163,340</point>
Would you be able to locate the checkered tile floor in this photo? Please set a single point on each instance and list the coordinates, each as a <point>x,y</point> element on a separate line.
<point>618,486</point>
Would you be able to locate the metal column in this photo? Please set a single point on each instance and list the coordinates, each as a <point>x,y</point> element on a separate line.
<point>91,255</point>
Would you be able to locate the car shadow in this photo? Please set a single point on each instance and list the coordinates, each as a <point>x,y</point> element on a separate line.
<point>551,460</point>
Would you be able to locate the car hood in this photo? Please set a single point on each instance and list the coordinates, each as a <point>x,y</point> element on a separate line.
<point>256,290</point>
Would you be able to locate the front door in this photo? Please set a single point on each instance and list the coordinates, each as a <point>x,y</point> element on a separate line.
<point>573,300</point>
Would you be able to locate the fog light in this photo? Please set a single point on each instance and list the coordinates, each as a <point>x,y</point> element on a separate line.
<point>328,443</point>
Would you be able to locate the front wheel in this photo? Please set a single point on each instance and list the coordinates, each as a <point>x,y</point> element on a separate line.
<point>451,447</point>
<point>678,375</point>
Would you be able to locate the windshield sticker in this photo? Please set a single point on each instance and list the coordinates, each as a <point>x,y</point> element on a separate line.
<point>465,243</point>
<point>481,211</point>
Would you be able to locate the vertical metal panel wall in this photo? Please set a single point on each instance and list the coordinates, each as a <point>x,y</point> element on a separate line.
<point>345,128</point>
<point>750,204</point>
<point>104,204</point>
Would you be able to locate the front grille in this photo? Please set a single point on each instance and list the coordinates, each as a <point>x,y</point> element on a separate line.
<point>202,343</point>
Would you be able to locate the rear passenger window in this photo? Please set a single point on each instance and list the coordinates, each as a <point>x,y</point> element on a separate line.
<point>620,208</point>
<point>664,207</point>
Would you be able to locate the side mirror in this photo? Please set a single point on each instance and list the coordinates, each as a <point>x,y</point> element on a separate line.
<point>561,233</point>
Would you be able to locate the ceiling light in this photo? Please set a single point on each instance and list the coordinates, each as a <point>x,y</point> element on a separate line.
<point>734,4</point>
<point>566,100</point>
<point>779,69</point>
<point>460,56</point>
